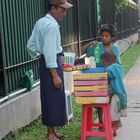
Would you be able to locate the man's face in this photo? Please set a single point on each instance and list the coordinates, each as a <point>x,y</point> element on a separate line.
<point>59,12</point>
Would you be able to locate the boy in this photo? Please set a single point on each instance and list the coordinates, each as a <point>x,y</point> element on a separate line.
<point>118,102</point>
<point>107,33</point>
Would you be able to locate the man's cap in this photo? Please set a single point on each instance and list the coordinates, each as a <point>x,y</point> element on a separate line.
<point>62,3</point>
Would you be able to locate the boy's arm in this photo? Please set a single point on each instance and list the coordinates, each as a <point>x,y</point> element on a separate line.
<point>86,46</point>
<point>118,54</point>
<point>110,74</point>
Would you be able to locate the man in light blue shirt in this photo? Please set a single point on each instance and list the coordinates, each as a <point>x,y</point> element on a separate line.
<point>45,42</point>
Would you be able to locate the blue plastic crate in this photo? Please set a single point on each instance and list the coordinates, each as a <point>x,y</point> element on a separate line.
<point>94,70</point>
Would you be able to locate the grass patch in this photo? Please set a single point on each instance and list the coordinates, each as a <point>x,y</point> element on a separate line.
<point>130,56</point>
<point>36,131</point>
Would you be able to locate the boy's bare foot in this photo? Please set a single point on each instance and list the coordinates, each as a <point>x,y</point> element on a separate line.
<point>116,124</point>
<point>101,129</point>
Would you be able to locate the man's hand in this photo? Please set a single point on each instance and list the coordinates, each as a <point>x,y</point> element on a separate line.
<point>38,55</point>
<point>57,82</point>
<point>56,79</point>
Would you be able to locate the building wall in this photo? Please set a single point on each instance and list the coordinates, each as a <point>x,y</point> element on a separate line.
<point>20,111</point>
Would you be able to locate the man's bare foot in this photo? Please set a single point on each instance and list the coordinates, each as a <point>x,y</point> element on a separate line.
<point>59,136</point>
<point>52,137</point>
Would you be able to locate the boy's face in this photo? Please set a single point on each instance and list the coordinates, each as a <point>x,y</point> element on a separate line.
<point>106,38</point>
<point>106,63</point>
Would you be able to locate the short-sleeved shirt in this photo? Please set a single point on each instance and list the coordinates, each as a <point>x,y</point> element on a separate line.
<point>115,74</point>
<point>46,40</point>
<point>114,48</point>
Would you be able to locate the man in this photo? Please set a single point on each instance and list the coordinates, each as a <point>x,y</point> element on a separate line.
<point>45,42</point>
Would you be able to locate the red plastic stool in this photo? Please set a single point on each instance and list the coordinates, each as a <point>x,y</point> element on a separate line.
<point>88,124</point>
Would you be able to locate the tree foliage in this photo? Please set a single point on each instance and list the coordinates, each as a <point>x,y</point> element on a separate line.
<point>120,4</point>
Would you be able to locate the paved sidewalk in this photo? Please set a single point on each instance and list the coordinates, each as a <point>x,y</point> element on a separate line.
<point>131,124</point>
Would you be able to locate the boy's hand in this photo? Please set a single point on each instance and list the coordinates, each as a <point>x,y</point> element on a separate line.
<point>85,47</point>
<point>93,43</point>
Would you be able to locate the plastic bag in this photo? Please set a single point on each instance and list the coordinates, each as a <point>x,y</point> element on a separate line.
<point>27,80</point>
<point>115,108</point>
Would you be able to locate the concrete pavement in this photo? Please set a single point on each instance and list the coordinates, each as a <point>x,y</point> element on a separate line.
<point>131,124</point>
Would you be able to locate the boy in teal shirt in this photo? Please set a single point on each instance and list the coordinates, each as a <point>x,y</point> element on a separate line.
<point>117,91</point>
<point>107,33</point>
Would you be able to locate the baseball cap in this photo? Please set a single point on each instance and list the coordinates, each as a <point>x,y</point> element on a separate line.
<point>62,3</point>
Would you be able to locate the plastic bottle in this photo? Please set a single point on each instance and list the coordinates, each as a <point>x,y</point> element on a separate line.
<point>97,53</point>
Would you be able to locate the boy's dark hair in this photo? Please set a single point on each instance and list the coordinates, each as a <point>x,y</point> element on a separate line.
<point>108,28</point>
<point>109,57</point>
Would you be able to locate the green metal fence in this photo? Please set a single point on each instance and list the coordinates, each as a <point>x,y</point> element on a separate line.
<point>69,29</point>
<point>17,18</point>
<point>79,26</point>
<point>107,11</point>
<point>127,22</point>
<point>1,69</point>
